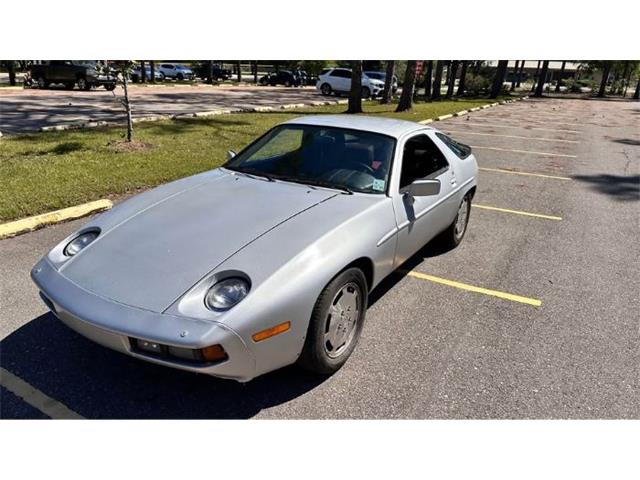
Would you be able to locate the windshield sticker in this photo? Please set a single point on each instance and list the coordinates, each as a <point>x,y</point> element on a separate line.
<point>378,185</point>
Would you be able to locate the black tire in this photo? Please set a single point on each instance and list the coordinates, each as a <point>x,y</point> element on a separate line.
<point>180,77</point>
<point>83,84</point>
<point>326,89</point>
<point>69,85</point>
<point>366,93</point>
<point>109,86</point>
<point>287,83</point>
<point>455,232</point>
<point>318,356</point>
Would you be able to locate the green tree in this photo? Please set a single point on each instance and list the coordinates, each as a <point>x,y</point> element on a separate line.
<point>122,69</point>
<point>498,79</point>
<point>355,94</point>
<point>406,98</point>
<point>542,79</point>
<point>437,81</point>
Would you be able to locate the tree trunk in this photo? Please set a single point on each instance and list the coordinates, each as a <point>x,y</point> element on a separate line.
<point>605,76</point>
<point>452,78</point>
<point>447,63</point>
<point>520,74</point>
<point>535,78</point>
<point>498,80</point>
<point>209,72</point>
<point>238,66</point>
<point>428,80</point>
<point>636,96</point>
<point>152,67</point>
<point>542,79</point>
<point>355,95</point>
<point>11,67</point>
<point>564,63</point>
<point>255,72</point>
<point>515,74</point>
<point>437,81</point>
<point>143,72</point>
<point>127,107</point>
<point>406,99</point>
<point>623,80</point>
<point>463,75</point>
<point>387,93</point>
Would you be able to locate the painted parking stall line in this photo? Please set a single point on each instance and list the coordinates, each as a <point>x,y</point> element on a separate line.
<point>538,139</point>
<point>516,127</point>
<point>531,152</point>
<point>528,174</point>
<point>473,288</point>
<point>34,397</point>
<point>517,212</point>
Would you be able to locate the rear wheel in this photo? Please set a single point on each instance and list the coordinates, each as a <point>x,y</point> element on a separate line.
<point>180,76</point>
<point>325,88</point>
<point>454,234</point>
<point>287,83</point>
<point>83,84</point>
<point>336,323</point>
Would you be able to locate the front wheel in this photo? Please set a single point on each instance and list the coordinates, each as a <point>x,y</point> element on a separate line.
<point>42,82</point>
<point>454,234</point>
<point>336,323</point>
<point>366,93</point>
<point>83,84</point>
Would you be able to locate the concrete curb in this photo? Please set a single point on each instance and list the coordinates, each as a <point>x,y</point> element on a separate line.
<point>427,121</point>
<point>29,224</point>
<point>474,109</point>
<point>444,117</point>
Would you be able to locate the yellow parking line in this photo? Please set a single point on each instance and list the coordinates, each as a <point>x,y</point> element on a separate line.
<point>472,288</point>
<point>517,212</point>
<point>547,154</point>
<point>516,172</point>
<point>512,136</point>
<point>35,397</point>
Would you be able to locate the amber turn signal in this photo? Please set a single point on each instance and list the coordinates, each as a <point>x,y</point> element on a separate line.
<point>214,353</point>
<point>270,332</point>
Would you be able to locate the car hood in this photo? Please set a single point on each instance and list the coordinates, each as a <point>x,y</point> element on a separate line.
<point>160,249</point>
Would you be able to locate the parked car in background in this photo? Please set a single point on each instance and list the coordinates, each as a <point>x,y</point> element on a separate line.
<point>83,73</point>
<point>175,71</point>
<point>315,213</point>
<point>284,77</point>
<point>218,73</point>
<point>382,76</point>
<point>338,80</point>
<point>136,74</point>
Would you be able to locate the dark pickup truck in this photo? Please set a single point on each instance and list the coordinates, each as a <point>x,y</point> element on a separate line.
<point>70,73</point>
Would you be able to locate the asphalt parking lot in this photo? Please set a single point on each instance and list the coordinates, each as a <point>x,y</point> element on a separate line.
<point>28,110</point>
<point>534,315</point>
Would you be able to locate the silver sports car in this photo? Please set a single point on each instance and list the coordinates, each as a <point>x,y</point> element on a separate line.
<point>268,260</point>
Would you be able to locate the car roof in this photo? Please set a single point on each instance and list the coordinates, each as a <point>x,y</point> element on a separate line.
<point>369,123</point>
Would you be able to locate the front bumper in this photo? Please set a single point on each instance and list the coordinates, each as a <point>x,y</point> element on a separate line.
<point>113,324</point>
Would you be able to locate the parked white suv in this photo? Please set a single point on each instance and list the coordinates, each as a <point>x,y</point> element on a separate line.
<point>338,80</point>
<point>175,71</point>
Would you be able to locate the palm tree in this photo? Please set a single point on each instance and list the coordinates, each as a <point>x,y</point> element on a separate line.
<point>606,70</point>
<point>564,63</point>
<point>387,93</point>
<point>535,77</point>
<point>428,80</point>
<point>463,75</point>
<point>452,78</point>
<point>498,79</point>
<point>542,79</point>
<point>515,74</point>
<point>437,81</point>
<point>355,95</point>
<point>520,74</point>
<point>406,99</point>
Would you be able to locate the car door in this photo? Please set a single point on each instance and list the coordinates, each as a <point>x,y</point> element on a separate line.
<point>340,80</point>
<point>421,218</point>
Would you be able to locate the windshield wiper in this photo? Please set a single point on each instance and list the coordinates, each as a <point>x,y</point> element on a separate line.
<point>252,173</point>
<point>316,183</point>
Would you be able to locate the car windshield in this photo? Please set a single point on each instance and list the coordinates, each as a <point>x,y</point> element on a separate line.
<point>344,159</point>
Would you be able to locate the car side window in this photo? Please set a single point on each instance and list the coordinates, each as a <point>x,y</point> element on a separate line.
<point>421,158</point>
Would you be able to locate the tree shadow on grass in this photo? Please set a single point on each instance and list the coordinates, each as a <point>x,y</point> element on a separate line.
<point>620,187</point>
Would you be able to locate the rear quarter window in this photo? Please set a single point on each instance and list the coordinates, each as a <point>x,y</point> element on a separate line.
<point>460,149</point>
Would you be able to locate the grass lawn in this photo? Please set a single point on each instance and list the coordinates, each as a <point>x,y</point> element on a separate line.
<point>41,172</point>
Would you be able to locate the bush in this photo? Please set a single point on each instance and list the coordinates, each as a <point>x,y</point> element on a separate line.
<point>476,85</point>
